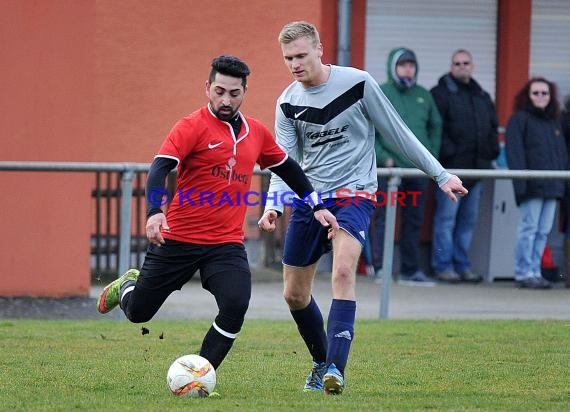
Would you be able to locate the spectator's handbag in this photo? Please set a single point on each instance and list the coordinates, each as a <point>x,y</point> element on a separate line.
<point>548,269</point>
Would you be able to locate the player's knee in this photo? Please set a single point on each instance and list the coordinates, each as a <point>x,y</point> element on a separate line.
<point>296,300</point>
<point>236,304</point>
<point>239,306</point>
<point>231,318</point>
<point>343,272</point>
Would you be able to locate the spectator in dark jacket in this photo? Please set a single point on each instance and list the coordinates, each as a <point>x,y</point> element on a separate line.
<point>566,132</point>
<point>468,141</point>
<point>534,141</point>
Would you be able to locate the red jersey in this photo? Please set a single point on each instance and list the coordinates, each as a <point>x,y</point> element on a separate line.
<point>215,168</point>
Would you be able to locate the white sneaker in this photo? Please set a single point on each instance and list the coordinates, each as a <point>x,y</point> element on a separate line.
<point>379,276</point>
<point>419,278</point>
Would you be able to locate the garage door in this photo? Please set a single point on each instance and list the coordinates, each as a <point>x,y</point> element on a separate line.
<point>550,47</point>
<point>433,29</point>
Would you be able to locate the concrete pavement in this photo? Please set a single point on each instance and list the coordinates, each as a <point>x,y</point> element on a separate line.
<point>497,300</point>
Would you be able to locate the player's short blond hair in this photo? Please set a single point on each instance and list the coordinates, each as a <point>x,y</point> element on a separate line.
<point>297,29</point>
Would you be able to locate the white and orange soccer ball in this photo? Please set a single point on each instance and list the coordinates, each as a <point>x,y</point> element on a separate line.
<point>191,376</point>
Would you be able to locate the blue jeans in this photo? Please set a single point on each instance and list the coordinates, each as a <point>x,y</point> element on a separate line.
<point>453,226</point>
<point>535,222</point>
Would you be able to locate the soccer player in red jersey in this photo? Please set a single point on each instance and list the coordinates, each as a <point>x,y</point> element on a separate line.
<point>215,149</point>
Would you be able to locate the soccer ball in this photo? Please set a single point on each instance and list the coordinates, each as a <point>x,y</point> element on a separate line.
<point>191,376</point>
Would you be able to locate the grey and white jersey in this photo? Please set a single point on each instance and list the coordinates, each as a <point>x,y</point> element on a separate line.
<point>329,130</point>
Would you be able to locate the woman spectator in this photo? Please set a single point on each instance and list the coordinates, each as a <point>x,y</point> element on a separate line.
<point>565,120</point>
<point>534,141</point>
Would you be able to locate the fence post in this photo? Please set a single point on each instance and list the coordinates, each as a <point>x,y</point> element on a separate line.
<point>125,228</point>
<point>388,257</point>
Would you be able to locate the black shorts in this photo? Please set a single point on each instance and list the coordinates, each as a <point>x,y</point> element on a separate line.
<point>168,267</point>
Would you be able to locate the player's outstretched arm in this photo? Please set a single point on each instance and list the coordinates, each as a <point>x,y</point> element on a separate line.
<point>155,190</point>
<point>453,188</point>
<point>154,225</point>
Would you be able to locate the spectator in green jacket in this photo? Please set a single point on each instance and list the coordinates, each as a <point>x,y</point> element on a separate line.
<point>417,108</point>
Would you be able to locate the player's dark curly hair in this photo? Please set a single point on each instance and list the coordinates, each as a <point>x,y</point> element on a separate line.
<point>229,66</point>
<point>522,99</point>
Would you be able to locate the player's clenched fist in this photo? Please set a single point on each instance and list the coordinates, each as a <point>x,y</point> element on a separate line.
<point>324,216</point>
<point>267,221</point>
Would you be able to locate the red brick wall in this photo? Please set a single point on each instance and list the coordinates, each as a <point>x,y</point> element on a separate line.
<point>46,113</point>
<point>105,80</point>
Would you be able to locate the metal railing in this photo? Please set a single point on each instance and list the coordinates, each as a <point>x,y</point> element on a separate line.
<point>395,176</point>
<point>127,172</point>
<point>105,236</point>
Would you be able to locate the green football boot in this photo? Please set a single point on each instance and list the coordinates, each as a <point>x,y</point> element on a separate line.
<point>110,296</point>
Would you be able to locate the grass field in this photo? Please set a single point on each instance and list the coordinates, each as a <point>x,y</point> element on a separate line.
<point>110,365</point>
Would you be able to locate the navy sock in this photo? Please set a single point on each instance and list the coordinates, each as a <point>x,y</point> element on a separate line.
<point>340,332</point>
<point>312,329</point>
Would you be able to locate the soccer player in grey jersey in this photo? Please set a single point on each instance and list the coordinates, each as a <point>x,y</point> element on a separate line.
<point>325,120</point>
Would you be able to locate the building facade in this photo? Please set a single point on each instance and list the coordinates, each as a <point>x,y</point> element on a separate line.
<point>104,81</point>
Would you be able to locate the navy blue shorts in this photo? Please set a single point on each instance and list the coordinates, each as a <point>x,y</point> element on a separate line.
<point>306,239</point>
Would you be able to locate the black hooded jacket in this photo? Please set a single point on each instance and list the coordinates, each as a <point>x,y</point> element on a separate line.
<point>565,120</point>
<point>534,141</point>
<point>469,139</point>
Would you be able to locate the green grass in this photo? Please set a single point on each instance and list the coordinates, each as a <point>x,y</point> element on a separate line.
<point>110,365</point>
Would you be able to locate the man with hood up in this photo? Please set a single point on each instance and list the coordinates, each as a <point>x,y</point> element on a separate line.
<point>417,108</point>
